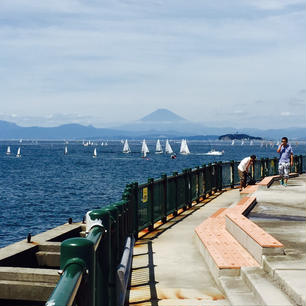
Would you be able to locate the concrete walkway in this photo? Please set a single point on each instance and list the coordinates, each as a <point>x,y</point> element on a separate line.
<point>168,268</point>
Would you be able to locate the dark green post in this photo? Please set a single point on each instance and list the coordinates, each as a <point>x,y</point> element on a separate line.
<point>151,202</point>
<point>135,205</point>
<point>80,252</point>
<point>164,198</point>
<point>103,260</point>
<point>185,189</point>
<point>301,164</point>
<point>204,176</point>
<point>175,174</point>
<point>232,165</point>
<point>262,167</point>
<point>197,180</point>
<point>275,165</point>
<point>220,178</point>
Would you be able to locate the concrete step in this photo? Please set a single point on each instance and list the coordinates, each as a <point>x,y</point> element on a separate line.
<point>265,291</point>
<point>50,246</point>
<point>48,259</point>
<point>29,274</point>
<point>288,273</point>
<point>28,291</point>
<point>237,292</point>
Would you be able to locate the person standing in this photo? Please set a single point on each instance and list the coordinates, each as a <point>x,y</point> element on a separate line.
<point>243,169</point>
<point>285,161</point>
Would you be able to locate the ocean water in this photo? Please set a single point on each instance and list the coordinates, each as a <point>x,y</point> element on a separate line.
<point>44,187</point>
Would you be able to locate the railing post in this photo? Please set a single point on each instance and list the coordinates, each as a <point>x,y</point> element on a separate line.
<point>262,167</point>
<point>301,164</point>
<point>232,165</point>
<point>204,181</point>
<point>197,180</point>
<point>80,252</point>
<point>174,174</point>
<point>220,178</point>
<point>103,260</point>
<point>151,202</point>
<point>164,204</point>
<point>186,197</point>
<point>275,165</point>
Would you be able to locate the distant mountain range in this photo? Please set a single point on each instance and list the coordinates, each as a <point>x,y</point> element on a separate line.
<point>161,123</point>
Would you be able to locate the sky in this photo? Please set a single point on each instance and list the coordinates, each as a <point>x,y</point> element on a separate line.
<point>238,63</point>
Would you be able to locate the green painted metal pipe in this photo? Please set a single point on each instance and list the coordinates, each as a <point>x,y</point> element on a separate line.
<point>67,288</point>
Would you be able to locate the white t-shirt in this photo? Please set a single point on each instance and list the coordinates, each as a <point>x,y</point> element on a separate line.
<point>243,164</point>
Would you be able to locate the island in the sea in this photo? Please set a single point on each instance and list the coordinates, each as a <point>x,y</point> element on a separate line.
<point>239,137</point>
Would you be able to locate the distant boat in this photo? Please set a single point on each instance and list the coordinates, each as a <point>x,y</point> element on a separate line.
<point>102,143</point>
<point>8,150</point>
<point>242,142</point>
<point>66,150</point>
<point>85,144</point>
<point>184,147</point>
<point>233,142</point>
<point>251,142</point>
<point>158,149</point>
<point>214,152</point>
<point>18,152</point>
<point>94,153</point>
<point>168,148</point>
<point>144,148</point>
<point>126,147</point>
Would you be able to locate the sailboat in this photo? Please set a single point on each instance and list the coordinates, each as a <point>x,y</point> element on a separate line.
<point>158,149</point>
<point>144,148</point>
<point>126,147</point>
<point>8,150</point>
<point>242,142</point>
<point>168,148</point>
<point>18,153</point>
<point>184,147</point>
<point>66,150</point>
<point>251,142</point>
<point>94,153</point>
<point>233,142</point>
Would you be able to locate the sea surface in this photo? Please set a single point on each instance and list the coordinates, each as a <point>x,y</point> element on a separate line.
<point>44,187</point>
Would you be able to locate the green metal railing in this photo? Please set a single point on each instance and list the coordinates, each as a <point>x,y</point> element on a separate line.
<point>89,264</point>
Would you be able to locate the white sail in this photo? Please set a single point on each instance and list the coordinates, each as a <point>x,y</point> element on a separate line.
<point>94,153</point>
<point>144,147</point>
<point>158,148</point>
<point>126,147</point>
<point>251,142</point>
<point>18,152</point>
<point>8,150</point>
<point>168,147</point>
<point>66,150</point>
<point>184,147</point>
<point>242,142</point>
<point>233,142</point>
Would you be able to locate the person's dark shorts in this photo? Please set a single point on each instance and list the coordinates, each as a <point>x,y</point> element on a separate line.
<point>242,176</point>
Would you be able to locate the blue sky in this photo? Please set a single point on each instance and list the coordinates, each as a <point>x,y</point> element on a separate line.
<point>234,63</point>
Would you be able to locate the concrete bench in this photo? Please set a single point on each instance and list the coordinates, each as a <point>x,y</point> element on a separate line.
<point>221,251</point>
<point>252,237</point>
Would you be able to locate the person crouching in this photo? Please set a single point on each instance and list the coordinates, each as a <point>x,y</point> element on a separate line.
<point>243,169</point>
